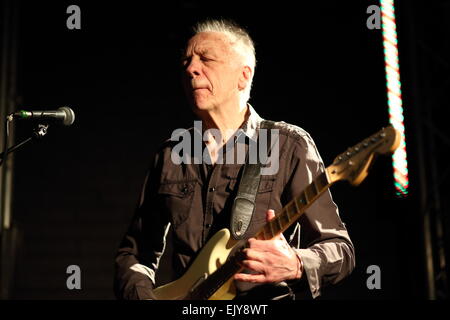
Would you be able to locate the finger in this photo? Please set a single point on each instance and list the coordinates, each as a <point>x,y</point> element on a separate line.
<point>258,244</point>
<point>267,250</point>
<point>270,214</point>
<point>253,265</point>
<point>254,278</point>
<point>266,245</point>
<point>252,254</point>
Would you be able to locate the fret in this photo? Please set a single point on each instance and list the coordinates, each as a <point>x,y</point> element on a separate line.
<point>279,222</point>
<point>314,187</point>
<point>268,234</point>
<point>297,206</point>
<point>284,218</point>
<point>265,233</point>
<point>321,182</point>
<point>310,193</point>
<point>301,202</point>
<point>290,211</point>
<point>273,227</point>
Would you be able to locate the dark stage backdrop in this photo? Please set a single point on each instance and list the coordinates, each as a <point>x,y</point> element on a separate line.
<point>319,67</point>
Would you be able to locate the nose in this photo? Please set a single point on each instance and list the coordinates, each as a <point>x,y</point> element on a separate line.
<point>193,68</point>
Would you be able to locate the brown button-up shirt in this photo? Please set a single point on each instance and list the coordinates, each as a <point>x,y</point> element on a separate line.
<point>195,200</point>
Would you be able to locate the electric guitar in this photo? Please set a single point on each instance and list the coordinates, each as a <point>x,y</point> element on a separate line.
<point>210,276</point>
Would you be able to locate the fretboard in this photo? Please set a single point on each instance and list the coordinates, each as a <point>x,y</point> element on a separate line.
<point>295,208</point>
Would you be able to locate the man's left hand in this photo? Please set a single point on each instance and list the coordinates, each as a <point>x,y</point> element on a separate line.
<point>271,260</point>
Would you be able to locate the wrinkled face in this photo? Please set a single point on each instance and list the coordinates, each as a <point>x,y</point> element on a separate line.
<point>212,71</point>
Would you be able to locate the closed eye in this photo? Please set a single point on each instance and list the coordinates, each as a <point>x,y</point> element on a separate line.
<point>185,61</point>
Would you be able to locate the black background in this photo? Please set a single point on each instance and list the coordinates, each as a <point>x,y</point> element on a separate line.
<point>319,67</point>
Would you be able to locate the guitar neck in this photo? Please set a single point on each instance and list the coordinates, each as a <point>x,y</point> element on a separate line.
<point>296,207</point>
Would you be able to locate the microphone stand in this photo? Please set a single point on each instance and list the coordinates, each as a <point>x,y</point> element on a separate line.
<point>38,133</point>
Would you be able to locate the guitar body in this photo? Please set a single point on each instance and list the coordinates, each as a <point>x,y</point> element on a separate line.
<point>211,257</point>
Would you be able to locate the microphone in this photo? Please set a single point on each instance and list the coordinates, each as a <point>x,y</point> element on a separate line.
<point>65,115</point>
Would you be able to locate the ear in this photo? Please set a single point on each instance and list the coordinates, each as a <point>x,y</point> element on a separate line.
<point>244,77</point>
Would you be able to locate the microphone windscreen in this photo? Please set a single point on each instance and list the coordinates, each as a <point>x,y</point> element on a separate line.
<point>70,116</point>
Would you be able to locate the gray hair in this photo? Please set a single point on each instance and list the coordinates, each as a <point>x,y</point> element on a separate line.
<point>240,40</point>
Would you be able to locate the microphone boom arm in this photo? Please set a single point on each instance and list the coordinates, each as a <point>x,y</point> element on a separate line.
<point>38,133</point>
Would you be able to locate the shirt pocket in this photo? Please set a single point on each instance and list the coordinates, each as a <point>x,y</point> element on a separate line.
<point>266,188</point>
<point>266,184</point>
<point>177,197</point>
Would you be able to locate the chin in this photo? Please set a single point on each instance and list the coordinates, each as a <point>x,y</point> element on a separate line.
<point>201,105</point>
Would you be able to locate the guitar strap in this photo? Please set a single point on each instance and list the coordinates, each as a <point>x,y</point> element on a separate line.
<point>245,202</point>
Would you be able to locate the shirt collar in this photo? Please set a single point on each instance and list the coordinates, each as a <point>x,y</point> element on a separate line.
<point>251,125</point>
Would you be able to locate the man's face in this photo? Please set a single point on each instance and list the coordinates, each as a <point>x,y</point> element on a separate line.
<point>211,71</point>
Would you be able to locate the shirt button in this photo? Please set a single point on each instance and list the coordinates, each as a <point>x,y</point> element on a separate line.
<point>208,225</point>
<point>212,189</point>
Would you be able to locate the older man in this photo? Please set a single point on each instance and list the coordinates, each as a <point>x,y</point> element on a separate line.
<point>195,199</point>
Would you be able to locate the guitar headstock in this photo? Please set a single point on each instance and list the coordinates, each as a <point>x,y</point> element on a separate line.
<point>353,165</point>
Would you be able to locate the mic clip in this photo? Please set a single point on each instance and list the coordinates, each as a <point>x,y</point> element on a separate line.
<point>40,131</point>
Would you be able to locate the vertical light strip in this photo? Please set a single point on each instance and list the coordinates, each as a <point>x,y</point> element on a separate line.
<point>399,160</point>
